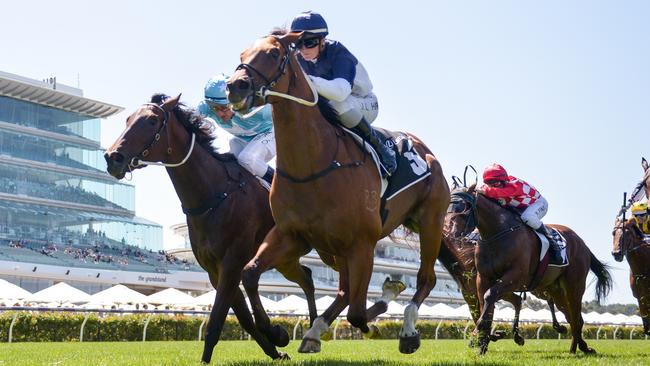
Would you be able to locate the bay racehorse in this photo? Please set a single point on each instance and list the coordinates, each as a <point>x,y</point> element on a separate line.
<point>629,243</point>
<point>457,256</point>
<point>227,210</point>
<point>507,259</point>
<point>327,194</point>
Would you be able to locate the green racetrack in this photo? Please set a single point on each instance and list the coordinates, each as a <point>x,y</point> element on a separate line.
<point>362,353</point>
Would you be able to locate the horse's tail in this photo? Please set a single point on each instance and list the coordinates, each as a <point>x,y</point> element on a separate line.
<point>604,281</point>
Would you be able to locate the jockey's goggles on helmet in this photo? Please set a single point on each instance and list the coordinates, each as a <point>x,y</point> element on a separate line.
<point>308,43</point>
<point>213,103</point>
<point>494,182</point>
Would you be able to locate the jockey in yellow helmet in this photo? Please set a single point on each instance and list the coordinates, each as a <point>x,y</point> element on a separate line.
<point>641,217</point>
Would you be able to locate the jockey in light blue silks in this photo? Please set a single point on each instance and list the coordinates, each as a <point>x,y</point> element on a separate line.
<point>254,141</point>
<point>342,79</point>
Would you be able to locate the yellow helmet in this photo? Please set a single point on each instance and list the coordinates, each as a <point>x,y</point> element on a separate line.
<point>639,208</point>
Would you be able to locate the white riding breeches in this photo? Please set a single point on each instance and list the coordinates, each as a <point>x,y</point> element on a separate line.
<point>255,154</point>
<point>355,107</point>
<point>532,215</point>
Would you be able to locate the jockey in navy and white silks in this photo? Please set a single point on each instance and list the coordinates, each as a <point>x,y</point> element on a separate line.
<point>341,78</point>
<point>253,141</point>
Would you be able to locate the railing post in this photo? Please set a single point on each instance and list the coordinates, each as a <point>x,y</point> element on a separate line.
<point>438,328</point>
<point>295,328</point>
<point>539,330</point>
<point>598,332</point>
<point>632,333</point>
<point>615,331</point>
<point>336,327</point>
<point>83,325</point>
<point>146,324</point>
<point>201,328</point>
<point>465,331</point>
<point>11,326</point>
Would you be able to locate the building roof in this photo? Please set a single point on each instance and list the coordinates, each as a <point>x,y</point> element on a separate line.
<point>53,95</point>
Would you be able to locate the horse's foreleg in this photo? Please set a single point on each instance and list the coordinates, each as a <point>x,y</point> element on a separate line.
<point>311,340</point>
<point>491,292</point>
<point>516,302</point>
<point>359,264</point>
<point>274,251</point>
<point>245,319</point>
<point>431,223</point>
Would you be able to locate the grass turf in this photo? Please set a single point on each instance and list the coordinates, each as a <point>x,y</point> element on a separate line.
<point>344,353</point>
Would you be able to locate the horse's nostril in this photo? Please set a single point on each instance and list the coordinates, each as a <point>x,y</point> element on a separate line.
<point>114,157</point>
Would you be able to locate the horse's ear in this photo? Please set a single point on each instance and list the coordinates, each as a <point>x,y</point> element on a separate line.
<point>471,189</point>
<point>644,164</point>
<point>170,103</point>
<point>289,38</point>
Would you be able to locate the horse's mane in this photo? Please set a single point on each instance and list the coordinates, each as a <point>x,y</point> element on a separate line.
<point>194,122</point>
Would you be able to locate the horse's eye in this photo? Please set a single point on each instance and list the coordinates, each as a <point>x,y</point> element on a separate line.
<point>275,53</point>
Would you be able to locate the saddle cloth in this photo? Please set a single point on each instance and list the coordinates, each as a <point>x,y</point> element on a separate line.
<point>411,167</point>
<point>561,242</point>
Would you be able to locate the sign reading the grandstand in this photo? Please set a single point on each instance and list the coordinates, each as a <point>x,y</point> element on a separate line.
<point>157,279</point>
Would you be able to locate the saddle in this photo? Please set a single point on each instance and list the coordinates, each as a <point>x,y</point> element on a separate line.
<point>545,256</point>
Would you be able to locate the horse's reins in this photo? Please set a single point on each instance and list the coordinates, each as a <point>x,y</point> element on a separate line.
<point>138,162</point>
<point>628,250</point>
<point>473,214</point>
<point>265,90</point>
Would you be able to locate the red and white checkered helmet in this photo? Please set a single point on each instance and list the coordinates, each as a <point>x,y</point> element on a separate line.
<point>494,172</point>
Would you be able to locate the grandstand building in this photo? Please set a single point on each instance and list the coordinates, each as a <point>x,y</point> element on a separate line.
<point>62,217</point>
<point>398,259</point>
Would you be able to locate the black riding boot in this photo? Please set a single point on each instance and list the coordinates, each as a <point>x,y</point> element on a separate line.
<point>554,247</point>
<point>268,176</point>
<point>386,154</point>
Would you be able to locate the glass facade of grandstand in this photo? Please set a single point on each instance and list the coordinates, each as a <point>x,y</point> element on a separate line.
<point>54,189</point>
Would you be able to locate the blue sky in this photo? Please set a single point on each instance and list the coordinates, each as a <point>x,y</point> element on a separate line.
<point>556,91</point>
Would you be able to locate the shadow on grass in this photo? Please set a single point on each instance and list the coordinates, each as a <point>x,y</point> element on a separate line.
<point>375,362</point>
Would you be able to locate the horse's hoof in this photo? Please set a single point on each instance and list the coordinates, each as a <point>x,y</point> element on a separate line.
<point>309,345</point>
<point>282,356</point>
<point>519,340</point>
<point>483,343</point>
<point>409,344</point>
<point>327,335</point>
<point>589,351</point>
<point>472,343</point>
<point>499,334</point>
<point>561,329</point>
<point>374,332</point>
<point>279,336</point>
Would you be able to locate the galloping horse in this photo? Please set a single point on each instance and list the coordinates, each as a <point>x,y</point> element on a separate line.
<point>629,242</point>
<point>457,256</point>
<point>325,193</point>
<point>218,196</point>
<point>507,258</point>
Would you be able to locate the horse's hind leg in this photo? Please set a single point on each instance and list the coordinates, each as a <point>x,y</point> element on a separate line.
<point>431,222</point>
<point>574,290</point>
<point>246,321</point>
<point>283,253</point>
<point>516,302</point>
<point>556,325</point>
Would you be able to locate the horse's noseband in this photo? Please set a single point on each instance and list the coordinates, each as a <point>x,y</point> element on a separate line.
<point>268,84</point>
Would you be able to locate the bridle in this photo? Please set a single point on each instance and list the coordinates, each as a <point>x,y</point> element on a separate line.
<point>625,250</point>
<point>137,161</point>
<point>472,213</point>
<point>264,90</point>
<point>469,211</point>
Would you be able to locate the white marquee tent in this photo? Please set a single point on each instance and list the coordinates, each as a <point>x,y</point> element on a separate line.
<point>59,293</point>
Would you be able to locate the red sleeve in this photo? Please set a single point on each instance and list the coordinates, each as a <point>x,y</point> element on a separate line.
<point>509,190</point>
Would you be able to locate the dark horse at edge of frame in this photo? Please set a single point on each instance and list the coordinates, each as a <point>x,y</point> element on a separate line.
<point>629,243</point>
<point>507,258</point>
<point>336,210</point>
<point>227,210</point>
